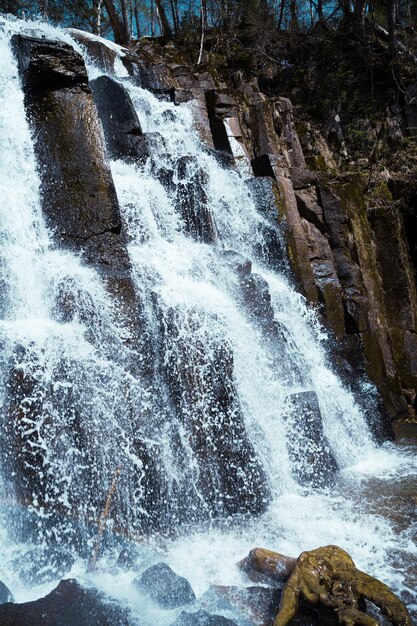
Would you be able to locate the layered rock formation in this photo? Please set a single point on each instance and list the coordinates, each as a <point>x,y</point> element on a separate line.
<point>351,259</point>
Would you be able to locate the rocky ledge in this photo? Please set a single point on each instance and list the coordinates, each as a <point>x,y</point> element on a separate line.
<point>320,588</point>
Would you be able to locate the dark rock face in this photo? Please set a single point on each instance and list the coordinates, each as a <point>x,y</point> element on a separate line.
<point>191,199</point>
<point>43,565</point>
<point>78,192</point>
<point>200,382</point>
<point>67,605</point>
<point>317,465</point>
<point>185,180</point>
<point>127,558</point>
<point>219,106</point>
<point>102,55</point>
<point>202,618</point>
<point>5,594</point>
<point>265,194</point>
<point>165,587</point>
<point>121,126</point>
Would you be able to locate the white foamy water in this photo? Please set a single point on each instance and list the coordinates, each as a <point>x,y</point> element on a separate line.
<point>80,400</point>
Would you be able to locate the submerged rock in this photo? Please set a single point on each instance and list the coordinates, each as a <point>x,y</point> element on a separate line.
<point>255,605</point>
<point>165,587</point>
<point>202,618</point>
<point>69,604</point>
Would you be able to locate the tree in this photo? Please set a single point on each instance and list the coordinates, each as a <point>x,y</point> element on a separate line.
<point>166,29</point>
<point>120,27</point>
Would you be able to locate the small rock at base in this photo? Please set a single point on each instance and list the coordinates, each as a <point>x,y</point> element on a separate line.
<point>202,618</point>
<point>165,587</point>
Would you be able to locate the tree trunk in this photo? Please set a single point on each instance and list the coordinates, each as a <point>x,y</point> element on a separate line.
<point>165,25</point>
<point>359,17</point>
<point>392,13</point>
<point>97,17</point>
<point>203,28</point>
<point>281,14</point>
<point>320,11</point>
<point>125,20</point>
<point>137,22</point>
<point>294,16</point>
<point>120,35</point>
<point>174,11</point>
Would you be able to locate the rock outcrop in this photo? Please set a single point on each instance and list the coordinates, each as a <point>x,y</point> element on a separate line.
<point>353,262</point>
<point>78,194</point>
<point>69,604</point>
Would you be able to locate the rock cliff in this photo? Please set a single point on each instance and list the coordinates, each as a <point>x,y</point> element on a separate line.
<point>351,252</point>
<point>351,249</point>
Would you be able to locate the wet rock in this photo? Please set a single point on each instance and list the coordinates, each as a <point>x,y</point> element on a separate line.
<point>312,460</point>
<point>121,125</point>
<point>262,166</point>
<point>69,604</point>
<point>328,287</point>
<point>263,191</point>
<point>43,565</point>
<point>102,55</point>
<point>198,369</point>
<point>165,587</point>
<point>405,431</point>
<point>186,181</point>
<point>224,158</point>
<point>202,618</point>
<point>127,558</point>
<point>265,194</point>
<point>79,197</point>
<point>262,565</point>
<point>156,77</point>
<point>192,202</point>
<point>255,605</point>
<point>255,291</point>
<point>217,126</point>
<point>5,594</point>
<point>238,262</point>
<point>182,95</point>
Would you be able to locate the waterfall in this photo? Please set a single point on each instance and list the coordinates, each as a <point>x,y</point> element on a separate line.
<point>231,409</point>
<point>191,275</point>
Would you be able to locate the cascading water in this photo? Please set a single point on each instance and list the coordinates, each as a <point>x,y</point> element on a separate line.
<point>238,396</point>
